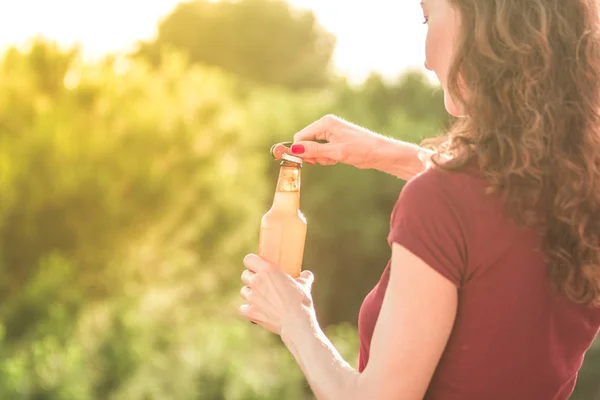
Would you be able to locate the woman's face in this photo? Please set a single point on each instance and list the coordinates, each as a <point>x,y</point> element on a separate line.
<point>442,29</point>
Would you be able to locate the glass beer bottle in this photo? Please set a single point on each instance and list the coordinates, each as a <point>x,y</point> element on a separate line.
<point>283,227</point>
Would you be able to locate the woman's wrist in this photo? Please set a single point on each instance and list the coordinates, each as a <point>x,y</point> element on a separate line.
<point>328,374</point>
<point>398,158</point>
<point>298,324</point>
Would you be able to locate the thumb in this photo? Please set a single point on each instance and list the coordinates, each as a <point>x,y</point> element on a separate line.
<point>307,278</point>
<point>310,149</point>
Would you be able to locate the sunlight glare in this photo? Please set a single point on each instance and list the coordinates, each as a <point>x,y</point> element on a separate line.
<point>381,35</point>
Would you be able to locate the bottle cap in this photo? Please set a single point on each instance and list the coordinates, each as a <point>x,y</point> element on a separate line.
<point>294,159</point>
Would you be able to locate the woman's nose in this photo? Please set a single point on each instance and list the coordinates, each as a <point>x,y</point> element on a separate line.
<point>427,66</point>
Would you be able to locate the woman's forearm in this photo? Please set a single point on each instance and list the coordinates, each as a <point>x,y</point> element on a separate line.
<point>401,159</point>
<point>329,376</point>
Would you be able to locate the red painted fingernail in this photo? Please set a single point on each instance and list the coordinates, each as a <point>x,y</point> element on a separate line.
<point>297,149</point>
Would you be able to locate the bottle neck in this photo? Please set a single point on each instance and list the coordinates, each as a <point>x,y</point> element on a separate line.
<point>287,195</point>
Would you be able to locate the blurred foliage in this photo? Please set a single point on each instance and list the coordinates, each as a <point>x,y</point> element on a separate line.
<point>131,192</point>
<point>266,41</point>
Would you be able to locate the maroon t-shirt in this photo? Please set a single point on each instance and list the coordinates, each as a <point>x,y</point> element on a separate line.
<point>514,337</point>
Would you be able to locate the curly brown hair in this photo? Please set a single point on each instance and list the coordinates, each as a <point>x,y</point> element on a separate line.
<point>531,74</point>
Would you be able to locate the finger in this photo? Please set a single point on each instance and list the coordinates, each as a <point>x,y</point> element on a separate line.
<point>248,312</point>
<point>255,263</point>
<point>306,278</point>
<point>279,149</point>
<point>318,130</point>
<point>326,162</point>
<point>258,316</point>
<point>308,149</point>
<point>306,160</point>
<point>248,277</point>
<point>246,293</point>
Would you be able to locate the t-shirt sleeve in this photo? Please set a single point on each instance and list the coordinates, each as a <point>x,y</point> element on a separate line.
<point>427,221</point>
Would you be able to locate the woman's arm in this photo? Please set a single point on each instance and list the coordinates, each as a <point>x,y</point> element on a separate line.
<point>328,374</point>
<point>401,159</point>
<point>354,145</point>
<point>410,336</point>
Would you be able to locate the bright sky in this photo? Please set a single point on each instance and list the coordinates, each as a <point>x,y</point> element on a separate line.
<point>113,25</point>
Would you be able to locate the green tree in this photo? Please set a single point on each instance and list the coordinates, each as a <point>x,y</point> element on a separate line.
<point>120,183</point>
<point>265,41</point>
<point>130,195</point>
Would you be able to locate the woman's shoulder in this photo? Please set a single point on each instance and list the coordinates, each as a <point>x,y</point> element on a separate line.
<point>432,219</point>
<point>438,185</point>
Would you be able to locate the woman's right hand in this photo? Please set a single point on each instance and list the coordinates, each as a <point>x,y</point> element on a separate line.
<point>345,143</point>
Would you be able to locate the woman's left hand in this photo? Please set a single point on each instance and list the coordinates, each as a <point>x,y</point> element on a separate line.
<point>275,300</point>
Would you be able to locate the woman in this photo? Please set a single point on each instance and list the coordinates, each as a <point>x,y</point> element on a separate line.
<point>493,287</point>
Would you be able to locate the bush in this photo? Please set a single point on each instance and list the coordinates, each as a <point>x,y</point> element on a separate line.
<point>129,197</point>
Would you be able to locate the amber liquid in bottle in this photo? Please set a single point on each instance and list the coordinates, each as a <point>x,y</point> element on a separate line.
<point>283,227</point>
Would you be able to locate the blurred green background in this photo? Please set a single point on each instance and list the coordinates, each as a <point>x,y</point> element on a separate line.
<point>131,188</point>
